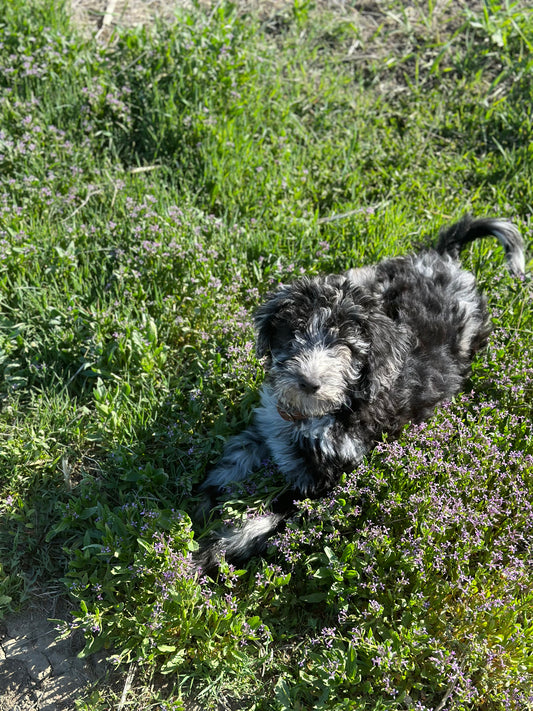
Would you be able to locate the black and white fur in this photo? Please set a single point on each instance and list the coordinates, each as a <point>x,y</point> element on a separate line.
<point>351,357</point>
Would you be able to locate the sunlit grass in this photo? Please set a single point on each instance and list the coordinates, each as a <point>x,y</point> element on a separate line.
<point>151,192</point>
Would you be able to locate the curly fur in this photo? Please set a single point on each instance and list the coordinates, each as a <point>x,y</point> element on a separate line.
<point>351,357</point>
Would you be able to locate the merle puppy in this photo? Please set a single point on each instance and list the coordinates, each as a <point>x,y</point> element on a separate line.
<point>351,357</point>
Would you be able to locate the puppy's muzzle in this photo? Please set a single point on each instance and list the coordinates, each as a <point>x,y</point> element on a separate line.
<point>309,386</point>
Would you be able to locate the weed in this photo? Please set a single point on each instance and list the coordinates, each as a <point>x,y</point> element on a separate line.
<point>151,191</point>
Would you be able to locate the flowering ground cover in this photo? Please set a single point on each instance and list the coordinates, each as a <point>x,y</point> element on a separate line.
<point>152,190</point>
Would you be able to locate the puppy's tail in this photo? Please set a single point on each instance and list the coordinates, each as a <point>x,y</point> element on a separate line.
<point>452,239</point>
<point>237,544</point>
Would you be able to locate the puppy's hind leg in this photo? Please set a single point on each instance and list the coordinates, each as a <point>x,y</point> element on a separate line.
<point>238,543</point>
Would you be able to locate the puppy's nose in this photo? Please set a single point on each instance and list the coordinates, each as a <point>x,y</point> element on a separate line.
<point>309,385</point>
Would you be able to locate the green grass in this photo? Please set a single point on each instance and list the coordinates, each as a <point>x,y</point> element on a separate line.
<point>151,191</point>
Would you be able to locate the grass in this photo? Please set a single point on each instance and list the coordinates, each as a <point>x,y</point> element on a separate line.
<point>151,191</point>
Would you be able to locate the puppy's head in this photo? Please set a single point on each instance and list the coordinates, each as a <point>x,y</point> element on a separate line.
<point>315,346</point>
<point>326,344</point>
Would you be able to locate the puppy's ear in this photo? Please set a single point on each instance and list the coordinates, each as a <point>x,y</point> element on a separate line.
<point>265,319</point>
<point>389,346</point>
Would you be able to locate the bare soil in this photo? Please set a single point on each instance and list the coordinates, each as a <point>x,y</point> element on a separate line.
<point>38,671</point>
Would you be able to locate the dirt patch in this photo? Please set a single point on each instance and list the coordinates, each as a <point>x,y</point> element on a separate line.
<point>38,671</point>
<point>100,17</point>
<point>382,27</point>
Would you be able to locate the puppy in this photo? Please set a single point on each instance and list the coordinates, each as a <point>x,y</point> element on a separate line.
<point>350,357</point>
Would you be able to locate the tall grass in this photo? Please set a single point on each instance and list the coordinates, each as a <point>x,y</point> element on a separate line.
<point>152,190</point>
